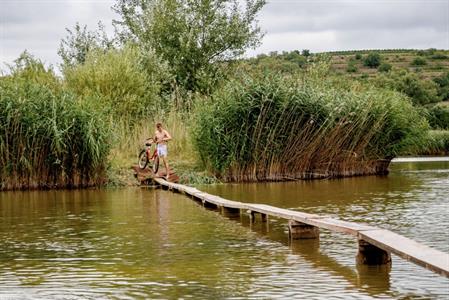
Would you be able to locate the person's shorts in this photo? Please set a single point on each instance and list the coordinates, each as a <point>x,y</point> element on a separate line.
<point>162,150</point>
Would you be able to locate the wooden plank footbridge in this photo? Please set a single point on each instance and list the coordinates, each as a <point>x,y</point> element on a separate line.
<point>375,245</point>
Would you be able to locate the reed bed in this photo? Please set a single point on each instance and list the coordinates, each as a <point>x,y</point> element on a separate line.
<point>48,139</point>
<point>275,128</point>
<point>435,143</point>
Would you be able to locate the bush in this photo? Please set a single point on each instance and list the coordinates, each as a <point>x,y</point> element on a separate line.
<point>439,56</point>
<point>436,142</point>
<point>125,83</point>
<point>384,67</point>
<point>351,68</point>
<point>439,117</point>
<point>272,128</point>
<point>48,138</point>
<point>443,86</point>
<point>418,61</point>
<point>372,60</point>
<point>421,91</point>
<point>358,56</point>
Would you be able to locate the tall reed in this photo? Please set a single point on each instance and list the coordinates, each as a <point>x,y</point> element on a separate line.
<point>272,127</point>
<point>47,138</point>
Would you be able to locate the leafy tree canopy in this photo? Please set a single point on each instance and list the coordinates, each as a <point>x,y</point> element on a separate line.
<point>74,48</point>
<point>191,35</point>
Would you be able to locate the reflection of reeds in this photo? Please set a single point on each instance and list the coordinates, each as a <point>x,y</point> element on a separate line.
<point>47,139</point>
<point>273,128</point>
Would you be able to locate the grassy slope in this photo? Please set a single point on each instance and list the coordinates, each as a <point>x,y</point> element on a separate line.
<point>400,59</point>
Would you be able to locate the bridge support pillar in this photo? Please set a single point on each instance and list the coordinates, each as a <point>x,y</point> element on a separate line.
<point>229,211</point>
<point>252,216</point>
<point>209,205</point>
<point>298,230</point>
<point>369,254</point>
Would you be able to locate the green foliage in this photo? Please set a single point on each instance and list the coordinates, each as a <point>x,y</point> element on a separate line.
<point>75,47</point>
<point>124,83</point>
<point>420,91</point>
<point>427,52</point>
<point>192,35</point>
<point>47,138</point>
<point>364,76</point>
<point>351,68</point>
<point>272,127</point>
<point>436,142</point>
<point>287,63</point>
<point>358,56</point>
<point>443,86</point>
<point>384,67</point>
<point>305,52</point>
<point>439,56</point>
<point>28,68</point>
<point>439,117</point>
<point>419,61</point>
<point>372,60</point>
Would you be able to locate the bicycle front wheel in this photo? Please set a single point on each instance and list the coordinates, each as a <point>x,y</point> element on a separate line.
<point>143,159</point>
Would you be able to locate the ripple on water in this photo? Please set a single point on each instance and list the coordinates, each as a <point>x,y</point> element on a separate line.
<point>129,244</point>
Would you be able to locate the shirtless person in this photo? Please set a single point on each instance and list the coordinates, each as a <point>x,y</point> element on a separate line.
<point>161,138</point>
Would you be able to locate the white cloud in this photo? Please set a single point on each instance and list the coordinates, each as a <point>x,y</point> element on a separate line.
<point>318,25</point>
<point>39,25</point>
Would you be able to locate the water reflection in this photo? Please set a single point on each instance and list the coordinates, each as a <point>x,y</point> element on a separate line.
<point>137,243</point>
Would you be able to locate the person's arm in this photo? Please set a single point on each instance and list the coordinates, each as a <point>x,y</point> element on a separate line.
<point>167,136</point>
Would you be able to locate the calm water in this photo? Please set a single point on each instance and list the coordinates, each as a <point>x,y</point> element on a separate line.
<point>143,243</point>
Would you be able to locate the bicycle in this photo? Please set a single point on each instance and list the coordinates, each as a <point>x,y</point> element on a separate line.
<point>145,156</point>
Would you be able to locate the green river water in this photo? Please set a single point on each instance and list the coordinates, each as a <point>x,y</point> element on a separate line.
<point>139,243</point>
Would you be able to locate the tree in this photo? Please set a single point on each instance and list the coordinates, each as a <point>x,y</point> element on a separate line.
<point>193,36</point>
<point>74,48</point>
<point>305,52</point>
<point>372,60</point>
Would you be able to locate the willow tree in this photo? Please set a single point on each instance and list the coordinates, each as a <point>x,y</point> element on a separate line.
<point>193,36</point>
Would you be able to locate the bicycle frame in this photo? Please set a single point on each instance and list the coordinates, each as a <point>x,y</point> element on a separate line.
<point>152,157</point>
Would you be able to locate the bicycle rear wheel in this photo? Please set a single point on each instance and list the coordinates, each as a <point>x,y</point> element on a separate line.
<point>156,164</point>
<point>143,159</point>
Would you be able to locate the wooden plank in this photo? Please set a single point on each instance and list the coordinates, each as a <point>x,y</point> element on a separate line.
<point>311,219</point>
<point>280,212</point>
<point>408,249</point>
<point>339,225</point>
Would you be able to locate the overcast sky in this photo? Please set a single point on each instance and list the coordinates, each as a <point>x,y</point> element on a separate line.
<point>39,25</point>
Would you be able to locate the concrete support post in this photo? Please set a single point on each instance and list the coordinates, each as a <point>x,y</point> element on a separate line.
<point>369,254</point>
<point>298,230</point>
<point>252,216</point>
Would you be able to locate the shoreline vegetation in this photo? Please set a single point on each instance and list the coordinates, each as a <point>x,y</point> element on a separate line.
<point>275,117</point>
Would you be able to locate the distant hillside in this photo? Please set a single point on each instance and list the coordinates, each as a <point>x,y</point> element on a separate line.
<point>428,64</point>
<point>422,75</point>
